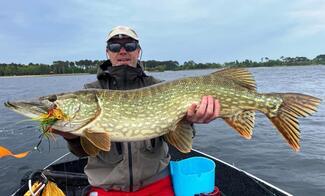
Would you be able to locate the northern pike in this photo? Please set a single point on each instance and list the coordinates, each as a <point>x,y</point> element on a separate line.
<point>100,116</point>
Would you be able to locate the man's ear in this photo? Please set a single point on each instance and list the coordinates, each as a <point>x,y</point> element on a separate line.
<point>140,53</point>
<point>106,53</point>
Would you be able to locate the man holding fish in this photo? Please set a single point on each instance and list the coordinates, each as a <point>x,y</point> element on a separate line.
<point>123,130</point>
<point>140,165</point>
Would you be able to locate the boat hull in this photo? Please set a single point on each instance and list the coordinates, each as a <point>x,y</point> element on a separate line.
<point>69,176</point>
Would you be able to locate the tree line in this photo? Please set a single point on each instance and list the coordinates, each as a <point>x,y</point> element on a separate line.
<point>90,66</point>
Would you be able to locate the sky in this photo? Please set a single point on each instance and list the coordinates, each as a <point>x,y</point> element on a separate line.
<point>40,31</point>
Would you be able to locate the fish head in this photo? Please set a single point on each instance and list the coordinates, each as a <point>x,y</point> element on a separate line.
<point>80,108</point>
<point>77,109</point>
<point>30,109</point>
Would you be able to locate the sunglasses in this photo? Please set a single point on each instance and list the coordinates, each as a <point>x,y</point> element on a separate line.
<point>128,46</point>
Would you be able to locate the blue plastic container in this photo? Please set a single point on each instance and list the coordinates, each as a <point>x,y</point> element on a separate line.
<point>194,175</point>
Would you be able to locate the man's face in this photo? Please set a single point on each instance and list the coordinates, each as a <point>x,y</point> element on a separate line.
<point>122,56</point>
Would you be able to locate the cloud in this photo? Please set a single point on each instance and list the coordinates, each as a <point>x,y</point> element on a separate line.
<point>309,17</point>
<point>201,30</point>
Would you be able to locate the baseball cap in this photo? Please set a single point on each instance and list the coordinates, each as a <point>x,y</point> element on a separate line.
<point>122,30</point>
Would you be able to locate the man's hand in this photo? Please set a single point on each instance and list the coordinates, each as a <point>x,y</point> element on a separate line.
<point>64,134</point>
<point>207,111</point>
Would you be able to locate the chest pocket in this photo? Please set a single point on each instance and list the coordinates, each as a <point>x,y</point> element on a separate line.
<point>150,146</point>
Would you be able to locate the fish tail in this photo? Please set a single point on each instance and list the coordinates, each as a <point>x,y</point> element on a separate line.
<point>294,105</point>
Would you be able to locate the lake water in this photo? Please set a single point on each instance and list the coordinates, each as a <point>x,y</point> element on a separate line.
<point>266,155</point>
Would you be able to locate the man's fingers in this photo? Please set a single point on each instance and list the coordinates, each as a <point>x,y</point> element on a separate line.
<point>212,111</point>
<point>202,108</point>
<point>216,108</point>
<point>209,113</point>
<point>191,111</point>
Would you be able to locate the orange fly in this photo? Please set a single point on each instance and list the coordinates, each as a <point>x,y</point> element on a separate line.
<point>47,120</point>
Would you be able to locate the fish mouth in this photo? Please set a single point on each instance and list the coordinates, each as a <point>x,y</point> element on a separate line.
<point>29,109</point>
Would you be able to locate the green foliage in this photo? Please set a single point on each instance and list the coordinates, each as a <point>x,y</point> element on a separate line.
<point>19,69</point>
<point>152,65</point>
<point>57,67</point>
<point>320,59</point>
<point>89,66</point>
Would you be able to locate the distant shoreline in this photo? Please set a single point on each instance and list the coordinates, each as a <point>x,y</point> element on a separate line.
<point>45,75</point>
<point>155,71</point>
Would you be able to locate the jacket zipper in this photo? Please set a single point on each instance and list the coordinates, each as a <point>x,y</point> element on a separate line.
<point>130,167</point>
<point>129,144</point>
<point>125,80</point>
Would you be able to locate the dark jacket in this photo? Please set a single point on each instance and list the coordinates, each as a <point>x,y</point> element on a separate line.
<point>128,166</point>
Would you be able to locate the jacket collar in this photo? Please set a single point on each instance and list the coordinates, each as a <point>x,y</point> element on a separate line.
<point>106,70</point>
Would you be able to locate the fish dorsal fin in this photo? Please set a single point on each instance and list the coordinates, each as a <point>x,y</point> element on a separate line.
<point>240,76</point>
<point>100,140</point>
<point>181,137</point>
<point>88,147</point>
<point>243,122</point>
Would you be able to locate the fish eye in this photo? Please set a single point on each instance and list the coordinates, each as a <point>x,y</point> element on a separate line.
<point>52,98</point>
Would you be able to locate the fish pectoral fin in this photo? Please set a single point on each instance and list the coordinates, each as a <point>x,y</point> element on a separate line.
<point>243,122</point>
<point>89,147</point>
<point>100,140</point>
<point>181,137</point>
